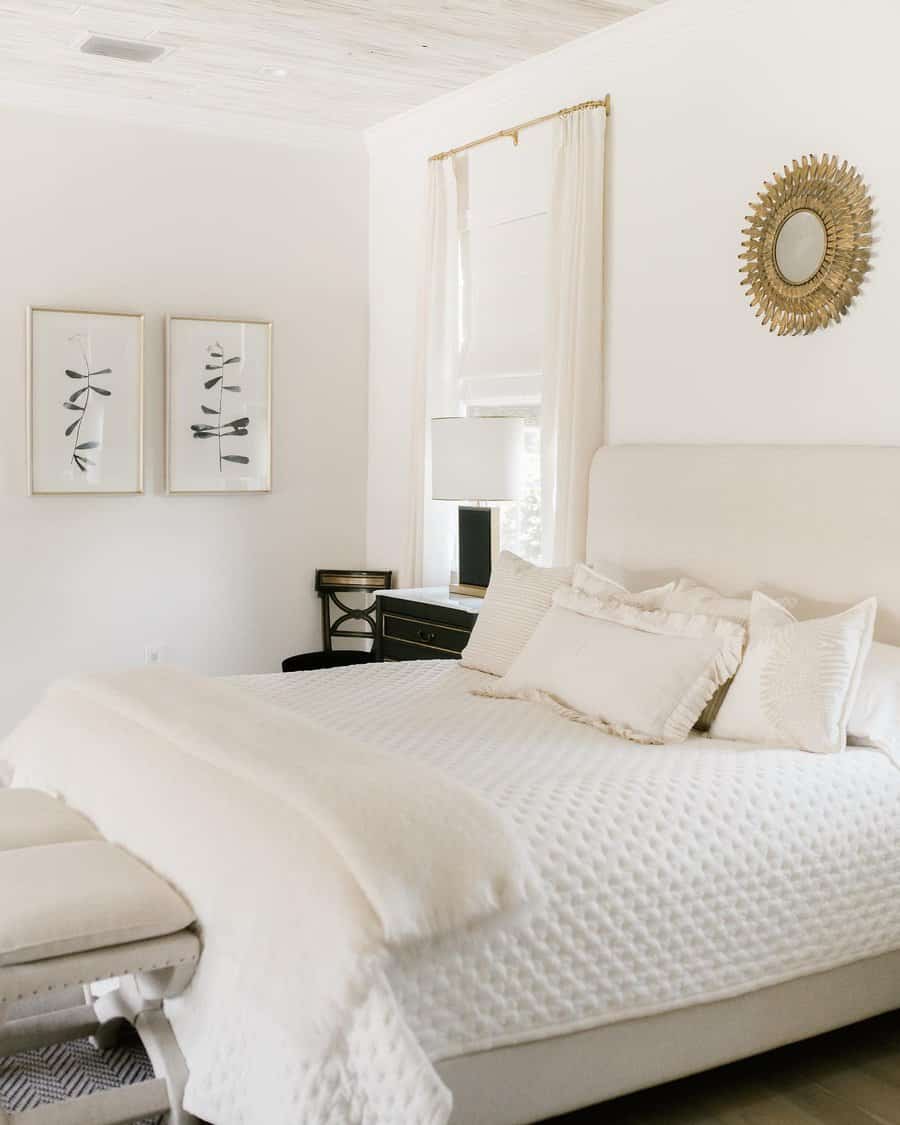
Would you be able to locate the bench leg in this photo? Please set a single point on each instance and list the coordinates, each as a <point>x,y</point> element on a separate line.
<point>167,1061</point>
<point>138,1000</point>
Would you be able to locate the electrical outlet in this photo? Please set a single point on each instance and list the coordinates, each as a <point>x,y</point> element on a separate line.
<point>154,654</point>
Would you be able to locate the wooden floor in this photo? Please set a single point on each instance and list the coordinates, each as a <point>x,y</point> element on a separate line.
<point>849,1077</point>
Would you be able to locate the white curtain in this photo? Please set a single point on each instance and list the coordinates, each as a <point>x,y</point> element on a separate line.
<point>431,540</point>
<point>572,425</point>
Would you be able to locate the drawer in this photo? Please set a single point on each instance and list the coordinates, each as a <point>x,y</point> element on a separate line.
<point>434,639</point>
<point>406,650</point>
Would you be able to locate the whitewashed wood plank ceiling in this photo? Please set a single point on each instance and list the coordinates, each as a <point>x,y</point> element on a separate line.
<point>343,64</point>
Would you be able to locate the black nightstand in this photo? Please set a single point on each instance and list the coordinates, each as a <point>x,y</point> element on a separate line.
<point>426,624</point>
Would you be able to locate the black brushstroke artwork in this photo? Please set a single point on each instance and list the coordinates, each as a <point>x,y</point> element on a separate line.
<point>237,427</point>
<point>79,402</point>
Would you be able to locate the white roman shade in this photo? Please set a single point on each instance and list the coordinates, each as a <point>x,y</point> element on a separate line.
<point>503,244</point>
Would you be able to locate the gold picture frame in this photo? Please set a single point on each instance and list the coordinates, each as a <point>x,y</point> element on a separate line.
<point>830,193</point>
<point>34,408</point>
<point>173,414</point>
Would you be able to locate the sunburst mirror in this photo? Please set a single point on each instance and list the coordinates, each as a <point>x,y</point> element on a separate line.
<point>808,245</point>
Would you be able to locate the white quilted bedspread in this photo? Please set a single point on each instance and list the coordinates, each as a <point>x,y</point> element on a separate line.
<point>674,875</point>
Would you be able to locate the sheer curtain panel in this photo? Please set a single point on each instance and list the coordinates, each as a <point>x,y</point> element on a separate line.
<point>431,537</point>
<point>573,399</point>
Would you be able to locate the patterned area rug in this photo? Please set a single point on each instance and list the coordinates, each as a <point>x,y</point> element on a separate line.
<point>68,1070</point>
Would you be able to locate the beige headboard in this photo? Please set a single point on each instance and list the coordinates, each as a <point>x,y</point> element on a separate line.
<point>819,521</point>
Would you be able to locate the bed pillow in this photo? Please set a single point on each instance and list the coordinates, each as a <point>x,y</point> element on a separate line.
<point>517,598</point>
<point>688,596</point>
<point>875,718</point>
<point>798,680</point>
<point>640,674</point>
<point>591,581</point>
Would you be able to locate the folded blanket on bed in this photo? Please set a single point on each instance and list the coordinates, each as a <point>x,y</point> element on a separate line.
<point>306,857</point>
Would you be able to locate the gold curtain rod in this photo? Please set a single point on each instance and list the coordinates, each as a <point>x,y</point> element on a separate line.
<point>513,132</point>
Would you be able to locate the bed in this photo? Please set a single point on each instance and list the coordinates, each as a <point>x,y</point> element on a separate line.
<point>699,903</point>
<point>649,959</point>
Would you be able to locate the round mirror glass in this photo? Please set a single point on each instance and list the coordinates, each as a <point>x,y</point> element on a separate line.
<point>800,247</point>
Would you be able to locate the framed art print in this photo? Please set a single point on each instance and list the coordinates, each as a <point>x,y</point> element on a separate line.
<point>218,405</point>
<point>85,402</point>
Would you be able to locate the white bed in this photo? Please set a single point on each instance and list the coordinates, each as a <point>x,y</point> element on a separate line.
<point>527,1028</point>
<point>685,881</point>
<point>700,902</point>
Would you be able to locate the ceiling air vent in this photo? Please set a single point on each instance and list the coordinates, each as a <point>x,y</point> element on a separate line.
<point>124,49</point>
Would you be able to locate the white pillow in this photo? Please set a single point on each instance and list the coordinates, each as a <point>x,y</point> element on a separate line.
<point>517,598</point>
<point>636,673</point>
<point>875,718</point>
<point>798,680</point>
<point>591,581</point>
<point>688,596</point>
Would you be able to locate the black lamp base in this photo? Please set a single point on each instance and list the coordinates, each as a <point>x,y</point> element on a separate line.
<point>479,542</point>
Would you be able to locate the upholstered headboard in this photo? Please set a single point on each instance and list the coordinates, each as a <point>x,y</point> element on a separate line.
<point>819,521</point>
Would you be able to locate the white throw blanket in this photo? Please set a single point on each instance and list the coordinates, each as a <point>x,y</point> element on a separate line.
<point>306,856</point>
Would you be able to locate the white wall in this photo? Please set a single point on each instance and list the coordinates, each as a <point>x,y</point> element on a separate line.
<point>709,97</point>
<point>108,216</point>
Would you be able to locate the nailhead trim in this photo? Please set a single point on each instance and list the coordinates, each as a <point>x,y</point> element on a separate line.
<point>166,964</point>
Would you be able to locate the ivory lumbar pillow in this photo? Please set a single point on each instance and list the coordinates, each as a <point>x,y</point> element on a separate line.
<point>798,680</point>
<point>517,598</point>
<point>640,674</point>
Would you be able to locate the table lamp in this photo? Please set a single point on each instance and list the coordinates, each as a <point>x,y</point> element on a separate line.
<point>476,459</point>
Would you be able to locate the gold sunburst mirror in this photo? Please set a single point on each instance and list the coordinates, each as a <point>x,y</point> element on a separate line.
<point>808,245</point>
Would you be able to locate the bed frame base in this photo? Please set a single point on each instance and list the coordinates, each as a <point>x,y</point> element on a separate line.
<point>529,1082</point>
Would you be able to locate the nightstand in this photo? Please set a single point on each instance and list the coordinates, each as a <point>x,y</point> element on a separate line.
<point>425,624</point>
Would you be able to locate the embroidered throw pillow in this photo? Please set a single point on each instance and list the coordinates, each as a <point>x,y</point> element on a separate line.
<point>798,680</point>
<point>689,596</point>
<point>637,673</point>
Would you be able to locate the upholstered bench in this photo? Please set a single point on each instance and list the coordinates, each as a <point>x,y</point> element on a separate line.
<point>74,910</point>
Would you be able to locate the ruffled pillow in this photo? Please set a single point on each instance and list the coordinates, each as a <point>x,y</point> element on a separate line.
<point>688,596</point>
<point>640,674</point>
<point>798,680</point>
<point>591,581</point>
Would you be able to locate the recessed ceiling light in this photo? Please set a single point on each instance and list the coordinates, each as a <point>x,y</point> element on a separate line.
<point>275,71</point>
<point>128,50</point>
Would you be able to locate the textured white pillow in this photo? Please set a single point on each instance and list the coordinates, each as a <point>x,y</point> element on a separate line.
<point>636,673</point>
<point>517,598</point>
<point>798,680</point>
<point>875,718</point>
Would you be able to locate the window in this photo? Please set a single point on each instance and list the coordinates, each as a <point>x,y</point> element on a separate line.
<point>504,198</point>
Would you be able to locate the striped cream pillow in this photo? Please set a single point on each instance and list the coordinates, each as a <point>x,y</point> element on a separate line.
<point>517,598</point>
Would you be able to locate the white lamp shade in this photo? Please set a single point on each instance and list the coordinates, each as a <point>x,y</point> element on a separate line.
<point>476,458</point>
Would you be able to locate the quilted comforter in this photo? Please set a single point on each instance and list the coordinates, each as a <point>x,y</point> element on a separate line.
<point>671,876</point>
